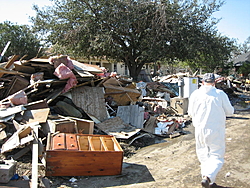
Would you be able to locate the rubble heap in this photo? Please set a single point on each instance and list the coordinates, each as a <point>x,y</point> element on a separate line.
<point>42,99</point>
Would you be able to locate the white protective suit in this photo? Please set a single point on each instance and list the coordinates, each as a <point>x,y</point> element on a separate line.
<point>208,108</point>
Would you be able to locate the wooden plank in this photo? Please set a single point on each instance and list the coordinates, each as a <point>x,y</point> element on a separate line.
<point>91,145</point>
<point>96,143</point>
<point>109,143</point>
<point>22,152</point>
<point>117,147</point>
<point>104,146</point>
<point>83,163</point>
<point>9,63</point>
<point>103,80</point>
<point>65,126</point>
<point>91,100</point>
<point>83,143</point>
<point>18,83</point>
<point>11,110</point>
<point>26,69</point>
<point>84,126</point>
<point>24,131</point>
<point>36,105</point>
<point>38,115</point>
<point>34,180</point>
<point>5,48</point>
<point>3,135</point>
<point>49,142</point>
<point>6,71</point>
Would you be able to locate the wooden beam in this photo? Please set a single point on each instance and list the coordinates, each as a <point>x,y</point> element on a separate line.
<point>9,63</point>
<point>34,179</point>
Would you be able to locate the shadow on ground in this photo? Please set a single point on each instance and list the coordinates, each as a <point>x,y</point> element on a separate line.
<point>131,174</point>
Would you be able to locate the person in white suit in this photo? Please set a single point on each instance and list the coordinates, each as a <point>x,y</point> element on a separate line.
<point>208,107</point>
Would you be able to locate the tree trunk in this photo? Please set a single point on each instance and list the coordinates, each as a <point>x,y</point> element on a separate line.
<point>134,70</point>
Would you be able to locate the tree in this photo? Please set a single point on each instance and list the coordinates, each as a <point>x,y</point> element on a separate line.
<point>23,40</point>
<point>245,69</point>
<point>245,47</point>
<point>134,31</point>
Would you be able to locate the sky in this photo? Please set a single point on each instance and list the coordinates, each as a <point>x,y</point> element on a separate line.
<point>234,14</point>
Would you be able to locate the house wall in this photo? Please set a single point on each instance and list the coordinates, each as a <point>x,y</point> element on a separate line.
<point>118,67</point>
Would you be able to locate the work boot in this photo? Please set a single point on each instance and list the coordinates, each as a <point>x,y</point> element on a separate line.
<point>205,182</point>
<point>214,185</point>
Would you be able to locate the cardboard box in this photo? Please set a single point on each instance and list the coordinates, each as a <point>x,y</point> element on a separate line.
<point>83,155</point>
<point>179,104</point>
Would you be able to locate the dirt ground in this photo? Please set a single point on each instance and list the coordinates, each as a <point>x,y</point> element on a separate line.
<point>172,163</point>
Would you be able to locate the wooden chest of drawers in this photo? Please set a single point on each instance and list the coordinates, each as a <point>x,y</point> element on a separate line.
<point>83,155</point>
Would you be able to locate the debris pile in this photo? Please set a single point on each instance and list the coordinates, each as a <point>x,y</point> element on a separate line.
<point>42,98</point>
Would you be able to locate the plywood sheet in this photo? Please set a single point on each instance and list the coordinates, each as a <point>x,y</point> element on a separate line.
<point>91,100</point>
<point>38,115</point>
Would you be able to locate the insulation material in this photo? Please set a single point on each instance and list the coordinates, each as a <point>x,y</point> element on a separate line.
<point>18,98</point>
<point>63,72</point>
<point>36,77</point>
<point>57,60</point>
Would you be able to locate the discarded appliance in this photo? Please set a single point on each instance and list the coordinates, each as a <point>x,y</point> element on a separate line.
<point>180,103</point>
<point>190,84</point>
<point>83,155</point>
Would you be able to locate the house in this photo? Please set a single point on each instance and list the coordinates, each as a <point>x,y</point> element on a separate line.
<point>239,61</point>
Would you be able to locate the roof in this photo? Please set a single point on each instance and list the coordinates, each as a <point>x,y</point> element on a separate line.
<point>238,61</point>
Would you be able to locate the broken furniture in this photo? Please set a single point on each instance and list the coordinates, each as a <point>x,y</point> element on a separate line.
<point>68,125</point>
<point>83,155</point>
<point>179,104</point>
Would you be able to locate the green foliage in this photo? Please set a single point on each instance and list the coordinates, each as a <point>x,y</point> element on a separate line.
<point>245,47</point>
<point>23,41</point>
<point>136,32</point>
<point>245,69</point>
